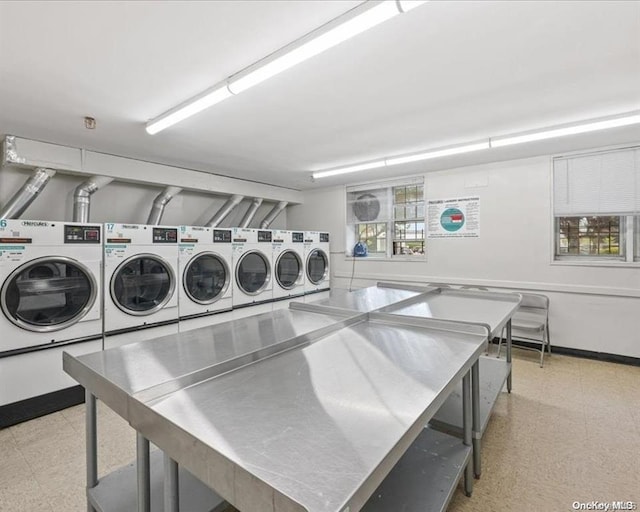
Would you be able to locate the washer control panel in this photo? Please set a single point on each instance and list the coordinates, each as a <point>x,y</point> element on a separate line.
<point>165,235</point>
<point>222,236</point>
<point>264,236</point>
<point>81,234</point>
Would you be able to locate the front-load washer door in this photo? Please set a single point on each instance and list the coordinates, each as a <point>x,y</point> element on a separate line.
<point>288,269</point>
<point>253,272</point>
<point>48,294</point>
<point>206,278</point>
<point>317,266</point>
<point>142,284</point>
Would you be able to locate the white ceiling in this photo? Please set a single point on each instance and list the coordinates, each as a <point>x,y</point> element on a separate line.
<point>447,72</point>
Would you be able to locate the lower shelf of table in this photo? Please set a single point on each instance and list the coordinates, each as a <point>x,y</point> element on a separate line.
<point>425,477</point>
<point>117,492</point>
<point>493,375</point>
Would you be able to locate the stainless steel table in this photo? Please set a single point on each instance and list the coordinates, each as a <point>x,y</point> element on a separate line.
<point>490,309</point>
<point>154,368</point>
<point>364,300</point>
<point>493,309</point>
<point>310,421</point>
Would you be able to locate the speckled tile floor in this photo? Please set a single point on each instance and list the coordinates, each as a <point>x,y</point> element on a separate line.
<point>569,432</point>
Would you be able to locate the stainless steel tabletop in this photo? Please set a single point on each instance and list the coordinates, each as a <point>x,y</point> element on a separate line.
<point>491,308</point>
<point>364,300</point>
<point>149,368</point>
<point>315,428</point>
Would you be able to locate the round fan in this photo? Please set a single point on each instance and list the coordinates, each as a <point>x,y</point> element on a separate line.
<point>366,207</point>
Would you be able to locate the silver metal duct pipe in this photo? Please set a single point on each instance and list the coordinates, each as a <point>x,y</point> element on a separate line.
<point>27,193</point>
<point>82,197</point>
<point>251,212</point>
<point>224,210</point>
<point>271,216</point>
<point>159,203</point>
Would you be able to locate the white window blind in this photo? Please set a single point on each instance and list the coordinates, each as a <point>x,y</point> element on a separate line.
<point>605,183</point>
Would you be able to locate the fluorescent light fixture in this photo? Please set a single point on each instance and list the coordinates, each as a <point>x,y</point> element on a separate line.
<point>361,18</point>
<point>593,125</point>
<point>351,168</point>
<point>189,108</point>
<point>315,45</point>
<point>567,130</point>
<point>409,5</point>
<point>437,153</point>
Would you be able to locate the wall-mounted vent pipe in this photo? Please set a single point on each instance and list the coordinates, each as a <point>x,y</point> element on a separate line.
<point>27,193</point>
<point>82,197</point>
<point>271,216</point>
<point>251,212</point>
<point>159,203</point>
<point>224,210</point>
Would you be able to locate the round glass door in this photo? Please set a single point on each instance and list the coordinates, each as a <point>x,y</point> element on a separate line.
<point>317,266</point>
<point>288,269</point>
<point>253,272</point>
<point>206,278</point>
<point>142,285</point>
<point>48,294</point>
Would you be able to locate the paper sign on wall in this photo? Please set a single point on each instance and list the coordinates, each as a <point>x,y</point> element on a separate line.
<point>453,218</point>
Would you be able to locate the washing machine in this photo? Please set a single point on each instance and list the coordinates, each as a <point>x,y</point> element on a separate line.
<point>205,260</point>
<point>316,257</point>
<point>252,266</point>
<point>140,283</point>
<point>288,264</point>
<point>51,297</point>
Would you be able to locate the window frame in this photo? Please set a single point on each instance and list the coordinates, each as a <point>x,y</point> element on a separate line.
<point>351,229</point>
<point>629,233</point>
<point>622,243</point>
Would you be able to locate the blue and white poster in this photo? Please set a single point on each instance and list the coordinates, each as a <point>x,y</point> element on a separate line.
<point>453,218</point>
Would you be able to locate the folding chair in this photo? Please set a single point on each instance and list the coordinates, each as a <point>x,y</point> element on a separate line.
<point>532,318</point>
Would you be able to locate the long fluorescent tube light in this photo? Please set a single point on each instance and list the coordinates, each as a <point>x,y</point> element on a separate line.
<point>361,18</point>
<point>567,130</point>
<point>351,168</point>
<point>191,107</point>
<point>313,46</point>
<point>457,150</point>
<point>559,131</point>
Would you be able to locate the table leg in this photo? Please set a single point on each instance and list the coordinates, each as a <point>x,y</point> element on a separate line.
<point>171,486</point>
<point>143,473</point>
<point>466,426</point>
<point>509,355</point>
<point>477,428</point>
<point>91,431</point>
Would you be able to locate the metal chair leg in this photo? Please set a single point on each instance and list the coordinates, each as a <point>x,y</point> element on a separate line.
<point>542,357</point>
<point>548,339</point>
<point>544,345</point>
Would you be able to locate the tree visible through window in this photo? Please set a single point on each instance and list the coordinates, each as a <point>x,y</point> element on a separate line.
<point>589,236</point>
<point>374,235</point>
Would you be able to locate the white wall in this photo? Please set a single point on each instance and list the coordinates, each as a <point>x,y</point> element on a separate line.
<point>124,202</point>
<point>592,308</point>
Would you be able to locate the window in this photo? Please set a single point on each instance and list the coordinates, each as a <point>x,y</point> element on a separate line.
<point>389,218</point>
<point>590,236</point>
<point>374,235</point>
<point>596,201</point>
<point>408,216</point>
